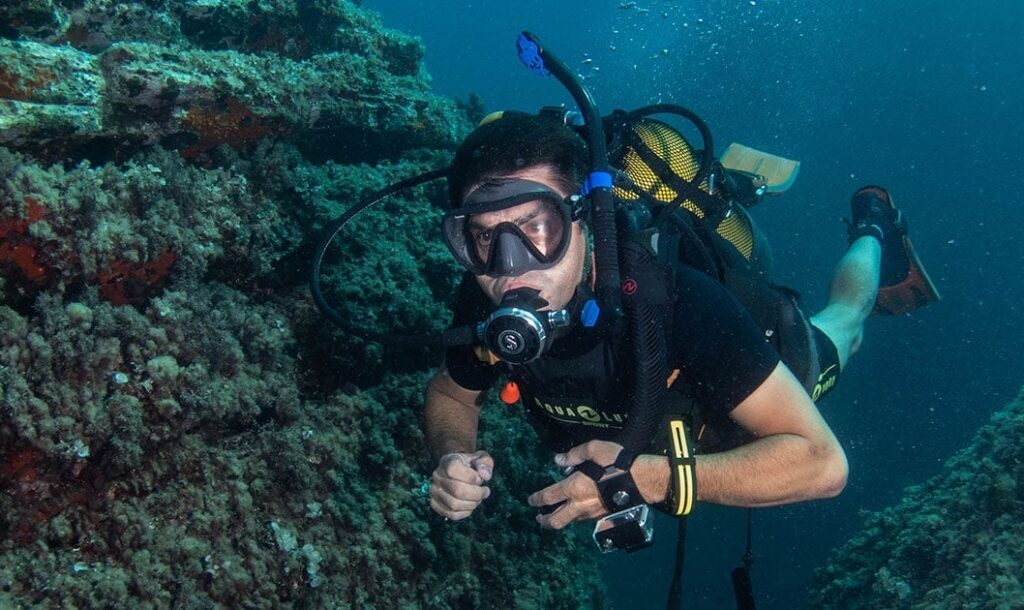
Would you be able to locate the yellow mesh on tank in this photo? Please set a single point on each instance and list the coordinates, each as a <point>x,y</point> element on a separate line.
<point>736,230</point>
<point>670,145</point>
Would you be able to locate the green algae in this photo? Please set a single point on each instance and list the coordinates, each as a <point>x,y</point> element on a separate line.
<point>953,542</point>
<point>178,425</point>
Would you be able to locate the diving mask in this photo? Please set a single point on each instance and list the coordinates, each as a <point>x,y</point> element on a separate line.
<point>510,227</point>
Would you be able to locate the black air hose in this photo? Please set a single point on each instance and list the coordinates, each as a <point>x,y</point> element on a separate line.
<point>417,341</point>
<point>602,202</point>
<point>647,333</point>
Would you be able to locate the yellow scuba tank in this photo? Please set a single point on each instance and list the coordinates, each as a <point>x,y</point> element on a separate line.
<point>657,163</point>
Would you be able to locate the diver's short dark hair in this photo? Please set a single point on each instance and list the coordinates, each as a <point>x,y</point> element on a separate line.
<point>516,141</point>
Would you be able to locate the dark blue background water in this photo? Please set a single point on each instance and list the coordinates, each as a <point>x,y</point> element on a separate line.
<point>925,98</point>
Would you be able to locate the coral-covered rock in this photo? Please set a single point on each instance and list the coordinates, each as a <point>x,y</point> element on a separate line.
<point>126,228</point>
<point>171,459</point>
<point>32,19</point>
<point>292,28</point>
<point>178,425</point>
<point>357,93</point>
<point>954,542</point>
<point>48,93</point>
<point>46,74</point>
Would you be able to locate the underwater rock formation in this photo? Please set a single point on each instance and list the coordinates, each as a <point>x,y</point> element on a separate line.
<point>954,542</point>
<point>182,87</point>
<point>178,425</point>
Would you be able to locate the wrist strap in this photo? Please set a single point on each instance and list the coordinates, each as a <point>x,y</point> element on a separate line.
<point>682,487</point>
<point>617,492</point>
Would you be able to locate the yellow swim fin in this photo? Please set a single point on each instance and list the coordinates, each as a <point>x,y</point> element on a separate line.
<point>779,173</point>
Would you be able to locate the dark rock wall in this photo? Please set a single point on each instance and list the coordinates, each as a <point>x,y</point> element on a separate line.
<point>955,542</point>
<point>193,75</point>
<point>179,427</point>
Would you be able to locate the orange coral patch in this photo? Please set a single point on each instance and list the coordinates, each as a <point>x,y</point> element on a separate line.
<point>16,246</point>
<point>19,466</point>
<point>127,282</point>
<point>34,211</point>
<point>14,86</point>
<point>23,257</point>
<point>233,124</point>
<point>41,489</point>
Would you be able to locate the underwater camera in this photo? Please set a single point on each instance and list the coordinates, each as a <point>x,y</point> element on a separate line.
<point>627,530</point>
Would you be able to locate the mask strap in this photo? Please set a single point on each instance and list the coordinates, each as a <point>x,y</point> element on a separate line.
<point>588,241</point>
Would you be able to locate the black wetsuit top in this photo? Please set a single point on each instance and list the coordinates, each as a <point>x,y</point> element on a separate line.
<point>578,390</point>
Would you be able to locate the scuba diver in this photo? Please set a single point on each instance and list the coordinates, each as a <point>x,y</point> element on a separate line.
<point>514,229</point>
<point>517,227</point>
<point>617,285</point>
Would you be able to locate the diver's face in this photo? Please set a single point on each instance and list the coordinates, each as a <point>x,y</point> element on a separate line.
<point>556,283</point>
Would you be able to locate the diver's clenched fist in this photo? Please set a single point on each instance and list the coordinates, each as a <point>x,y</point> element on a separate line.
<point>458,484</point>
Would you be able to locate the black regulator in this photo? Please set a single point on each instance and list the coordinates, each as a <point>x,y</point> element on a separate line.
<point>518,331</point>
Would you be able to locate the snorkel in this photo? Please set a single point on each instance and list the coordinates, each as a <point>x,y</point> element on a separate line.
<point>646,334</point>
<point>598,185</point>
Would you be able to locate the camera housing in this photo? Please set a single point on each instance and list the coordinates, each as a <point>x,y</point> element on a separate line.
<point>628,530</point>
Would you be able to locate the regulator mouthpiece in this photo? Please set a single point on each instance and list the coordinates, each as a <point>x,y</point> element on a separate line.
<point>517,332</point>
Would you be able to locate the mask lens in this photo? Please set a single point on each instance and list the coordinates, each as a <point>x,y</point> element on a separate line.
<point>509,227</point>
<point>539,224</point>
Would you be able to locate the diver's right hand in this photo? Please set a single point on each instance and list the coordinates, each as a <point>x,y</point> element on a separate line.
<point>457,486</point>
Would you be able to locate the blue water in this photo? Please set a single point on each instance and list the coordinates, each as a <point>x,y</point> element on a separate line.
<point>924,98</point>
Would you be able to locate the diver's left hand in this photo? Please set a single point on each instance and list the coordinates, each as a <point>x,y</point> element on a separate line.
<point>577,491</point>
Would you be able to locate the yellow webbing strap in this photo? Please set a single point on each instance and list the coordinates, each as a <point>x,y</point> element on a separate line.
<point>683,484</point>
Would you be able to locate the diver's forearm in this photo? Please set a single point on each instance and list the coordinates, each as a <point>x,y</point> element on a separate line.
<point>451,436</point>
<point>651,475</point>
<point>450,426</point>
<point>774,470</point>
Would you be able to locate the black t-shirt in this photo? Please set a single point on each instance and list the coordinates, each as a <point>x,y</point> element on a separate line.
<point>578,390</point>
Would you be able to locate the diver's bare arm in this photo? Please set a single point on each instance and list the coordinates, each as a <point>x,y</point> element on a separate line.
<point>795,457</point>
<point>451,414</point>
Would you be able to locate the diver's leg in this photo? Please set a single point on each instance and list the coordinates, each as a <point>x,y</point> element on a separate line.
<point>880,272</point>
<point>851,297</point>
